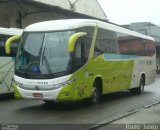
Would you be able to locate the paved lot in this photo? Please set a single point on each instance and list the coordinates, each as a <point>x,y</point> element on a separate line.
<point>113,106</point>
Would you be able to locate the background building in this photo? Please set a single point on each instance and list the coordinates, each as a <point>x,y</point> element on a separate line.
<point>149,29</point>
<point>20,13</point>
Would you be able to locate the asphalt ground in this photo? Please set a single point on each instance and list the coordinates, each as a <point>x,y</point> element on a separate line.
<point>80,115</point>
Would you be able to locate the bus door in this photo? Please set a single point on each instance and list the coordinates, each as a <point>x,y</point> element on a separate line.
<point>80,58</point>
<point>79,61</point>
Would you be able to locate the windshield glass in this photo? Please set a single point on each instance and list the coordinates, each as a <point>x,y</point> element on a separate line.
<point>44,53</point>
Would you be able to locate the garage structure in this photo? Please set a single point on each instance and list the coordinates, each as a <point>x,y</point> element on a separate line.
<point>20,13</point>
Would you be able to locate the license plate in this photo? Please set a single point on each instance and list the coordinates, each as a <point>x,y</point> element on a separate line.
<point>38,95</point>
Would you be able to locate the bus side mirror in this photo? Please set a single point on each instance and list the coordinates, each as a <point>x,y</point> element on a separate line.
<point>9,42</point>
<point>73,39</point>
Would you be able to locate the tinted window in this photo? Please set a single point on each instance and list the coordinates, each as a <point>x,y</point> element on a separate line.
<point>106,42</point>
<point>119,43</point>
<point>131,45</point>
<point>87,40</point>
<point>82,47</point>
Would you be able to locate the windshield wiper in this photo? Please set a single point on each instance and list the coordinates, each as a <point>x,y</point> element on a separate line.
<point>47,65</point>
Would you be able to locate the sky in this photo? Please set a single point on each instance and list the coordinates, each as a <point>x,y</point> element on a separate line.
<point>130,11</point>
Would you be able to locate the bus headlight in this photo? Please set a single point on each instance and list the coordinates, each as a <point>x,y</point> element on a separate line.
<point>68,82</point>
<point>18,84</point>
<point>64,83</point>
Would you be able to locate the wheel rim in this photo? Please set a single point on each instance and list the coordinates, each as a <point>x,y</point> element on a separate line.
<point>94,95</point>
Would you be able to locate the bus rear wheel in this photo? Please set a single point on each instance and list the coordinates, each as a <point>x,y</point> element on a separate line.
<point>140,89</point>
<point>95,94</point>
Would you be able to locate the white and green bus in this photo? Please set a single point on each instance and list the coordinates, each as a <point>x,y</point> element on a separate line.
<point>7,61</point>
<point>70,60</point>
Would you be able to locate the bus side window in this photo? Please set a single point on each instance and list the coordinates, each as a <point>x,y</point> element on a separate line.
<point>87,45</point>
<point>2,42</point>
<point>106,42</point>
<point>78,54</point>
<point>2,51</point>
<point>97,50</point>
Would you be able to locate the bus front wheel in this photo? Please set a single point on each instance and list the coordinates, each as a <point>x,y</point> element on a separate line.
<point>95,94</point>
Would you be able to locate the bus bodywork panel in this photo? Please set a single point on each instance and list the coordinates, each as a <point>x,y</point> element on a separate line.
<point>118,75</point>
<point>7,60</point>
<point>6,74</point>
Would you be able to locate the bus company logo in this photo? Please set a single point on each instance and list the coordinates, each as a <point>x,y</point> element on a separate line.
<point>37,83</point>
<point>36,88</point>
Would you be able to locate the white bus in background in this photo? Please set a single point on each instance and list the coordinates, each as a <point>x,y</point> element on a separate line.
<point>7,61</point>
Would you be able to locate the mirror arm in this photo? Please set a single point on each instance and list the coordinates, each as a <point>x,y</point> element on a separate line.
<point>73,39</point>
<point>9,42</point>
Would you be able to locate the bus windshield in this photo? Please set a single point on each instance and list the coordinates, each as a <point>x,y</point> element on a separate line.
<point>44,53</point>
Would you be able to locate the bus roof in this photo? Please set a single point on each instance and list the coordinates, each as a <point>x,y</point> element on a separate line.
<point>10,31</point>
<point>66,24</point>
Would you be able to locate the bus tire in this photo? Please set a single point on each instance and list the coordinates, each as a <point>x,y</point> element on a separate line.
<point>140,89</point>
<point>95,98</point>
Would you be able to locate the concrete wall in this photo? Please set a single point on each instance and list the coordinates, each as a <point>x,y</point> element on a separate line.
<point>22,13</point>
<point>91,8</point>
<point>60,3</point>
<point>87,7</point>
<point>10,17</point>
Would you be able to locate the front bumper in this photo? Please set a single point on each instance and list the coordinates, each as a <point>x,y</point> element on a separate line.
<point>61,94</point>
